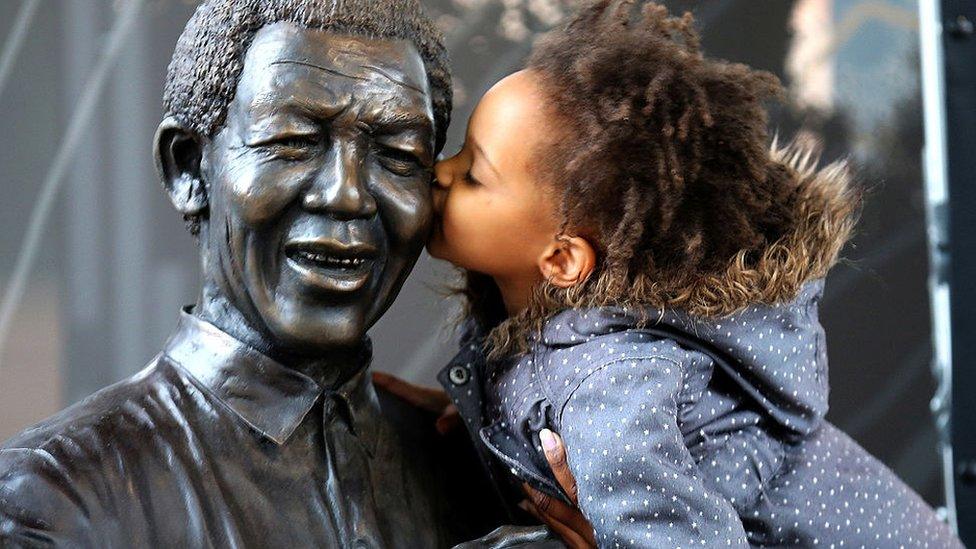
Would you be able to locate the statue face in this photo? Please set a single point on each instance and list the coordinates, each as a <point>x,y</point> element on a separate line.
<point>319,184</point>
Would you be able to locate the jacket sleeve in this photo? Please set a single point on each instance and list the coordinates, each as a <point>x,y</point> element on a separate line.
<point>638,484</point>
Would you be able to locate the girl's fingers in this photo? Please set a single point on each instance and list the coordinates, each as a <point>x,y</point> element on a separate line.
<point>572,539</point>
<point>427,398</point>
<point>555,452</point>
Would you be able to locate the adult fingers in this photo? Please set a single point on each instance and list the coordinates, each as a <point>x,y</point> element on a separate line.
<point>449,420</point>
<point>567,515</point>
<point>427,398</point>
<point>541,500</point>
<point>555,452</point>
<point>572,539</point>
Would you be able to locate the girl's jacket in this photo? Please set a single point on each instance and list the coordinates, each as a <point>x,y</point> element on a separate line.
<point>683,431</point>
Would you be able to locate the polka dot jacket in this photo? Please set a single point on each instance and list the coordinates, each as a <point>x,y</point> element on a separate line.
<point>690,433</point>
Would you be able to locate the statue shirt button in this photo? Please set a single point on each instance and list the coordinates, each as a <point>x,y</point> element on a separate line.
<point>458,375</point>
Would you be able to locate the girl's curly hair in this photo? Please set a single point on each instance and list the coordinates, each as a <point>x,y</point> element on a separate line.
<point>664,164</point>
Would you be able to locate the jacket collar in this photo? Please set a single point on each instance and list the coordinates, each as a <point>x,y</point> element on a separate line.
<point>571,327</point>
<point>775,353</point>
<point>269,397</point>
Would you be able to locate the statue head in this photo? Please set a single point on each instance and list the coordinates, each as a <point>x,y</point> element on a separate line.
<point>298,143</point>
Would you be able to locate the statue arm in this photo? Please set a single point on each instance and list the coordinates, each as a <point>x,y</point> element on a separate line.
<point>40,506</point>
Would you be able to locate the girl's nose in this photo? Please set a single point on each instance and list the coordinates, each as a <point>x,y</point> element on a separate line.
<point>443,176</point>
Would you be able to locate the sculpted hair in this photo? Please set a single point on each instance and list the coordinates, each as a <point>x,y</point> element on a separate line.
<point>209,56</point>
<point>664,163</point>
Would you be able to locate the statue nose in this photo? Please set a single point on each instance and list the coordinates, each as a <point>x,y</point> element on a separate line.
<point>340,189</point>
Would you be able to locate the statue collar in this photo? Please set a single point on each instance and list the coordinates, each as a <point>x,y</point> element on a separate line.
<point>268,396</point>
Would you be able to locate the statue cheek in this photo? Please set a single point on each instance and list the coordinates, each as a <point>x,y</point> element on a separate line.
<point>407,211</point>
<point>260,195</point>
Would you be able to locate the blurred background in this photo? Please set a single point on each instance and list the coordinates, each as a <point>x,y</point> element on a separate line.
<point>114,263</point>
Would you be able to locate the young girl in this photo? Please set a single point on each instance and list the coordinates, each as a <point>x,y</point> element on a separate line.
<point>644,274</point>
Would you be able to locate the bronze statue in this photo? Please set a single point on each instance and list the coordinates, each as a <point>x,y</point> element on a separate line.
<point>298,144</point>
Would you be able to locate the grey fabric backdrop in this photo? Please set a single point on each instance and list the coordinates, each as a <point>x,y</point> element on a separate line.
<point>116,264</point>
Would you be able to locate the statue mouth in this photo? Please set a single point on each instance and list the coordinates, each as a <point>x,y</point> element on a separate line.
<point>331,265</point>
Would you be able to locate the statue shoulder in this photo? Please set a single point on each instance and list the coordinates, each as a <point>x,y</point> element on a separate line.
<point>85,419</point>
<point>56,475</point>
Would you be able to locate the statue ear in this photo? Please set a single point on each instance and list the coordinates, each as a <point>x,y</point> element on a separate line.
<point>177,152</point>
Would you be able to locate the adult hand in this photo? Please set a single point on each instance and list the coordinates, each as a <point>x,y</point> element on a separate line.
<point>566,521</point>
<point>425,398</point>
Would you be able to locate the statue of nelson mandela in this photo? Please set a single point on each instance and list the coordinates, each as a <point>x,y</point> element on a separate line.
<point>297,143</point>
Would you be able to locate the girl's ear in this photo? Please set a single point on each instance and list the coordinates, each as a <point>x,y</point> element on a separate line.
<point>567,261</point>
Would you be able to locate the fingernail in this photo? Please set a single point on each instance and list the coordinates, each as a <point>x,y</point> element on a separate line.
<point>548,439</point>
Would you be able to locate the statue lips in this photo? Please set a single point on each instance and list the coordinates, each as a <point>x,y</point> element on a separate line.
<point>331,265</point>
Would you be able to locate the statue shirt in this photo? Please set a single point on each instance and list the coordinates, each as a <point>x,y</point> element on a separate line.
<point>217,445</point>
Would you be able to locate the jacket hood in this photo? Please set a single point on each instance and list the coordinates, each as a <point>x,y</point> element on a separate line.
<point>775,353</point>
<point>758,321</point>
<point>824,207</point>
<point>824,210</point>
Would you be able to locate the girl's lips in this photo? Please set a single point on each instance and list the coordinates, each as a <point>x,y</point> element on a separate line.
<point>437,228</point>
<point>436,238</point>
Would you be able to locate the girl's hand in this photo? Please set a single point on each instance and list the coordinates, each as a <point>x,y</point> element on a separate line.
<point>566,521</point>
<point>425,398</point>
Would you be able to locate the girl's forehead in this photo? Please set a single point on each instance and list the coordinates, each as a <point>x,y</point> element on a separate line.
<point>510,120</point>
<point>517,96</point>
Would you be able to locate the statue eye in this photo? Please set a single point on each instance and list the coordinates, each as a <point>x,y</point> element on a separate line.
<point>398,161</point>
<point>293,147</point>
<point>297,142</point>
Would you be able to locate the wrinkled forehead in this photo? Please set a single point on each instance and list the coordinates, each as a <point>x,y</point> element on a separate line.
<point>289,63</point>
